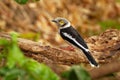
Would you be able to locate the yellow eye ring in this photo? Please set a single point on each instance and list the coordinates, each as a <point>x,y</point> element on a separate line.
<point>61,22</point>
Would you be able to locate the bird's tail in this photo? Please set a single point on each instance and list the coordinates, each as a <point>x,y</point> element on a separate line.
<point>91,59</point>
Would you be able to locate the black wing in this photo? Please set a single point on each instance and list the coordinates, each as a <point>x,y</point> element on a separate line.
<point>74,34</point>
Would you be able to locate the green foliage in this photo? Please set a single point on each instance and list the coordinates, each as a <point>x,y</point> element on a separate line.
<point>39,71</point>
<point>13,51</point>
<point>24,1</point>
<point>19,67</point>
<point>12,73</point>
<point>77,73</point>
<point>21,1</point>
<point>118,1</point>
<point>31,36</point>
<point>109,24</point>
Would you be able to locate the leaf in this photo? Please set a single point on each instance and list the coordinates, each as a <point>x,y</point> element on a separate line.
<point>24,1</point>
<point>4,42</point>
<point>21,1</point>
<point>30,35</point>
<point>11,73</point>
<point>76,73</point>
<point>35,0</point>
<point>40,71</point>
<point>14,53</point>
<point>109,24</point>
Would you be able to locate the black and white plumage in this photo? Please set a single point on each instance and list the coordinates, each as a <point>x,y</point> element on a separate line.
<point>69,34</point>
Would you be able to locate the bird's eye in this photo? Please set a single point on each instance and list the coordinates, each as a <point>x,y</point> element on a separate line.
<point>61,22</point>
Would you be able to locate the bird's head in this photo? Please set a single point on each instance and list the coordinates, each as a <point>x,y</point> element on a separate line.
<point>61,22</point>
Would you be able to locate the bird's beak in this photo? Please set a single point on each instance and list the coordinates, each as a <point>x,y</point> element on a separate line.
<point>54,21</point>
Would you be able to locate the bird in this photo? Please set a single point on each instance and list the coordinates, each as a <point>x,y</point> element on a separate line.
<point>71,35</point>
